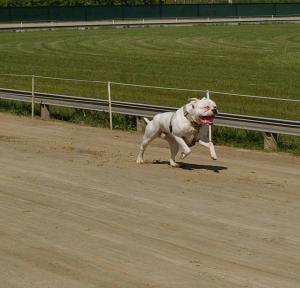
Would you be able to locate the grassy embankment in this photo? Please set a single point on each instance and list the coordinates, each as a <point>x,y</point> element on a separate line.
<point>249,59</point>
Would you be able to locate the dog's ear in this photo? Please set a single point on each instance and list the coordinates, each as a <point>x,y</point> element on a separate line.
<point>193,101</point>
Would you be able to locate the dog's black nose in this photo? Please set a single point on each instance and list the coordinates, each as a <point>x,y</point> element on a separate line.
<point>215,110</point>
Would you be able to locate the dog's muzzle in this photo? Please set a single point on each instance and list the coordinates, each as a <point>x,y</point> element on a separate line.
<point>215,111</point>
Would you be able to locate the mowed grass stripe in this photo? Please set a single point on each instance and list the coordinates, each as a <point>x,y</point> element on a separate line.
<point>249,59</point>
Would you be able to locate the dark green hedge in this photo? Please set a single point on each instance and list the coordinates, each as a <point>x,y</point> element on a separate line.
<point>86,13</point>
<point>39,3</point>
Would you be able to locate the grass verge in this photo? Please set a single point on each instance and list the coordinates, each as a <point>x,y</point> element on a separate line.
<point>247,59</point>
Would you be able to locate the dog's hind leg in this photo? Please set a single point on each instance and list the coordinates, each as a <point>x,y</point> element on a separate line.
<point>151,132</point>
<point>174,147</point>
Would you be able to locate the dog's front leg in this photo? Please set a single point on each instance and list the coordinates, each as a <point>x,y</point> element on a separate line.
<point>184,147</point>
<point>211,147</point>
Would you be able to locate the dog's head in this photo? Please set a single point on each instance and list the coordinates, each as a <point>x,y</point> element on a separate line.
<point>203,111</point>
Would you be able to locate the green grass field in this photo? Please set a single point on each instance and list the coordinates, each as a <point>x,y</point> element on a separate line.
<point>251,59</point>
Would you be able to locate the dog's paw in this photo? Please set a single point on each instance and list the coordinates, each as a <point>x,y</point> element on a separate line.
<point>185,154</point>
<point>163,136</point>
<point>174,164</point>
<point>139,161</point>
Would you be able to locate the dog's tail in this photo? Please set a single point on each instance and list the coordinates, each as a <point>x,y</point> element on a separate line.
<point>146,120</point>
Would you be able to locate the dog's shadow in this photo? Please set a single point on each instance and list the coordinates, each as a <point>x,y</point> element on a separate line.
<point>191,166</point>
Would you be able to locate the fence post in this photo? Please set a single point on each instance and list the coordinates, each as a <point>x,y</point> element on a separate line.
<point>270,141</point>
<point>209,127</point>
<point>32,96</point>
<point>140,124</point>
<point>109,105</point>
<point>45,112</point>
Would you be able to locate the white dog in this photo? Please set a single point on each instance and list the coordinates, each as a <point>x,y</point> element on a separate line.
<point>181,128</point>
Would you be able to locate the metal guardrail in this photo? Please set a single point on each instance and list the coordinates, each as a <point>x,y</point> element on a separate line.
<point>268,125</point>
<point>23,26</point>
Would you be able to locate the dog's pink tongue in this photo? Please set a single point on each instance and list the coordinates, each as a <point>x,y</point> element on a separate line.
<point>207,120</point>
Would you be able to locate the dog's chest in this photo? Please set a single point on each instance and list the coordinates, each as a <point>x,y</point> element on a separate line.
<point>191,136</point>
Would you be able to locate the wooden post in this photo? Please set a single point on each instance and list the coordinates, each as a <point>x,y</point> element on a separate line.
<point>109,105</point>
<point>209,127</point>
<point>32,96</point>
<point>140,124</point>
<point>45,113</point>
<point>270,141</point>
<point>204,133</point>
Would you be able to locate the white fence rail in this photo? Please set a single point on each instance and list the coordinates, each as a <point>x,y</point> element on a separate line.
<point>270,126</point>
<point>46,25</point>
<point>212,92</point>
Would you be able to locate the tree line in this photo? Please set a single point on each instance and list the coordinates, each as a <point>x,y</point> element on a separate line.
<point>39,3</point>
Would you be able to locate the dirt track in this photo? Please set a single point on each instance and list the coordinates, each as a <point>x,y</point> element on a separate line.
<point>76,211</point>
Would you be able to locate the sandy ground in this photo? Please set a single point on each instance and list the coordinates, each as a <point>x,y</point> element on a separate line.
<point>77,211</point>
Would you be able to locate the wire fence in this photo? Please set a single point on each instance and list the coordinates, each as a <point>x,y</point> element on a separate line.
<point>145,94</point>
<point>211,92</point>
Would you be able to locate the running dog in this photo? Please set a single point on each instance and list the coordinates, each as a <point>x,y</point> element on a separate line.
<point>181,128</point>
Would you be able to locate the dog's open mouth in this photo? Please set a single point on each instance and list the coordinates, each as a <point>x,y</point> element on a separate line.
<point>207,120</point>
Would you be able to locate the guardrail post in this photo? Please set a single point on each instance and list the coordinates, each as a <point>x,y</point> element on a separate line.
<point>45,113</point>
<point>209,127</point>
<point>109,105</point>
<point>140,124</point>
<point>32,96</point>
<point>270,141</point>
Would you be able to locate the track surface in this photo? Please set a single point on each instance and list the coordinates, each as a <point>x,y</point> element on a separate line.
<point>76,211</point>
